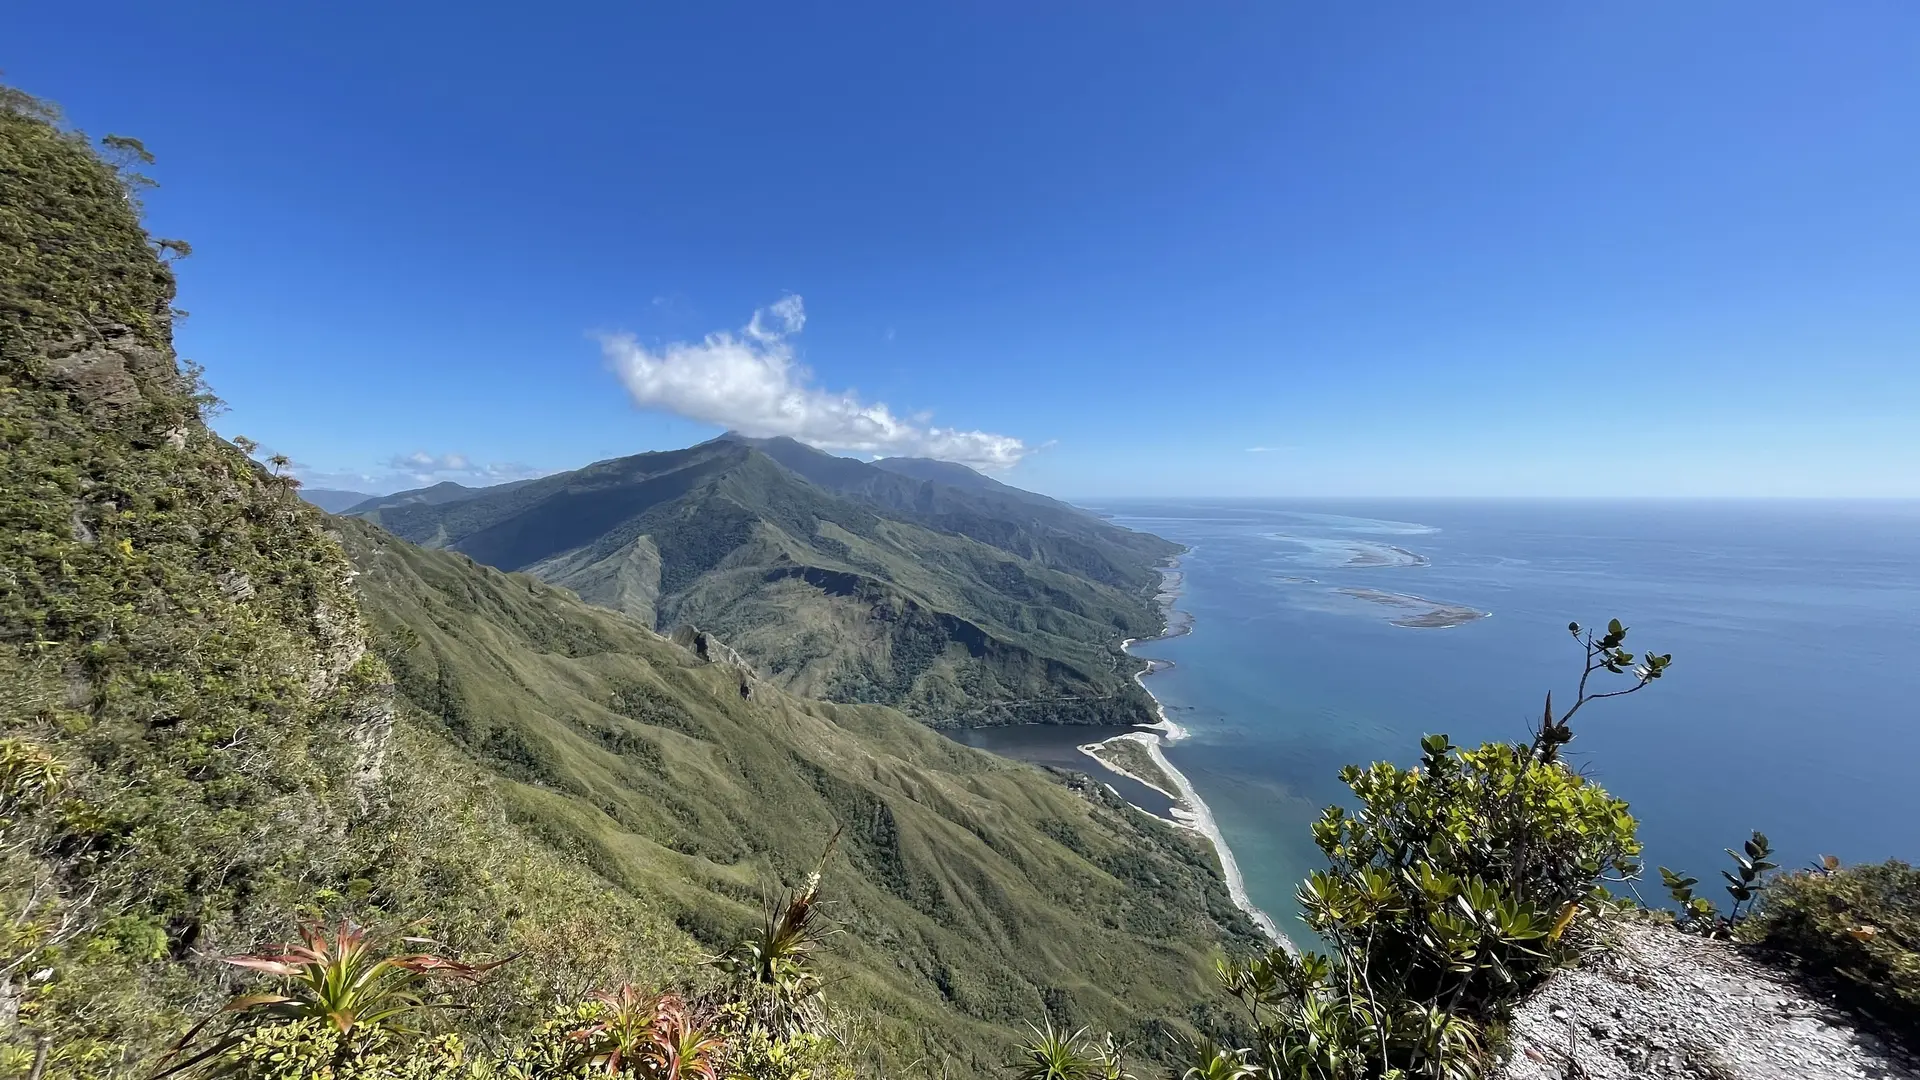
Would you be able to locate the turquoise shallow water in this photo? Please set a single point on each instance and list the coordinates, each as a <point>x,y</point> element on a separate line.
<point>1790,707</point>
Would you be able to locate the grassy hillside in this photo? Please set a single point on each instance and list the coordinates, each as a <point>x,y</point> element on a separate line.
<point>837,579</point>
<point>976,893</point>
<point>210,728</point>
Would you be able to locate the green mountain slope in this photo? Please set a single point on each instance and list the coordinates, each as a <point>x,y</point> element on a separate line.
<point>953,498</point>
<point>976,893</point>
<point>954,474</point>
<point>837,579</point>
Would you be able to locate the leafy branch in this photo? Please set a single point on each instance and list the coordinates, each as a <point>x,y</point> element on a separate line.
<point>1603,653</point>
<point>1745,882</point>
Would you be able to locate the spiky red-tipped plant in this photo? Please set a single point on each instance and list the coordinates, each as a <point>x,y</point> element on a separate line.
<point>653,1036</point>
<point>338,977</point>
<point>776,959</point>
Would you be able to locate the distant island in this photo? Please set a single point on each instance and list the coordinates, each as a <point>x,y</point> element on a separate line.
<point>1387,555</point>
<point>1427,614</point>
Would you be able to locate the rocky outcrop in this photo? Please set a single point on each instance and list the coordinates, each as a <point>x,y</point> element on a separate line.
<point>1663,1005</point>
<point>714,651</point>
<point>114,372</point>
<point>710,648</point>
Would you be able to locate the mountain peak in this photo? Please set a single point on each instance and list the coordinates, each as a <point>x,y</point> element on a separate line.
<point>773,442</point>
<point>750,538</point>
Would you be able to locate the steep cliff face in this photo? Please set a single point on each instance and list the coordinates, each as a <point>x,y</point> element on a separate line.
<point>177,633</point>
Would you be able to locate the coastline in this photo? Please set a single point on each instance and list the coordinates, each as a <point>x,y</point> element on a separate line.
<point>1191,811</point>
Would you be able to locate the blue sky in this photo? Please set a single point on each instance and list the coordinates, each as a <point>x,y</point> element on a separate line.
<point>1255,249</point>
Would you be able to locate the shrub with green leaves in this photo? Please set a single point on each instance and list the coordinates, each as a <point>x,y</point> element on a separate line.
<point>1454,876</point>
<point>1859,925</point>
<point>314,1049</point>
<point>1450,891</point>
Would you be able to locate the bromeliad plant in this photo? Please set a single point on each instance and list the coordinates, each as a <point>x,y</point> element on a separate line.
<point>341,979</point>
<point>774,966</point>
<point>30,780</point>
<point>650,1036</point>
<point>1207,1060</point>
<point>1053,1055</point>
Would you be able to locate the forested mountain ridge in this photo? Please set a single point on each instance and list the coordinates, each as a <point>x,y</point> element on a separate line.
<point>952,498</point>
<point>837,578</point>
<point>446,491</point>
<point>214,725</point>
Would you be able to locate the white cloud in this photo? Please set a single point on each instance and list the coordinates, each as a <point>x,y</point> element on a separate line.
<point>422,462</point>
<point>752,383</point>
<point>1260,449</point>
<point>336,479</point>
<point>424,468</point>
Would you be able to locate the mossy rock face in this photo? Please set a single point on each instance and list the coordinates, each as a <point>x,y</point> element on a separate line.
<point>78,267</point>
<point>182,643</point>
<point>175,629</point>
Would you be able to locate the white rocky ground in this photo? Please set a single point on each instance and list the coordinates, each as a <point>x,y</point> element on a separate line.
<point>1669,1006</point>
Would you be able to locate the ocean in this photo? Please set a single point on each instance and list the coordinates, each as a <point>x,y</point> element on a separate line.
<point>1333,632</point>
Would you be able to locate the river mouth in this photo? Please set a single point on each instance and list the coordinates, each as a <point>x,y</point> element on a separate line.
<point>1059,745</point>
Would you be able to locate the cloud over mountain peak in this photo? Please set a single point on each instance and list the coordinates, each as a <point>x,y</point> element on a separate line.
<point>752,382</point>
